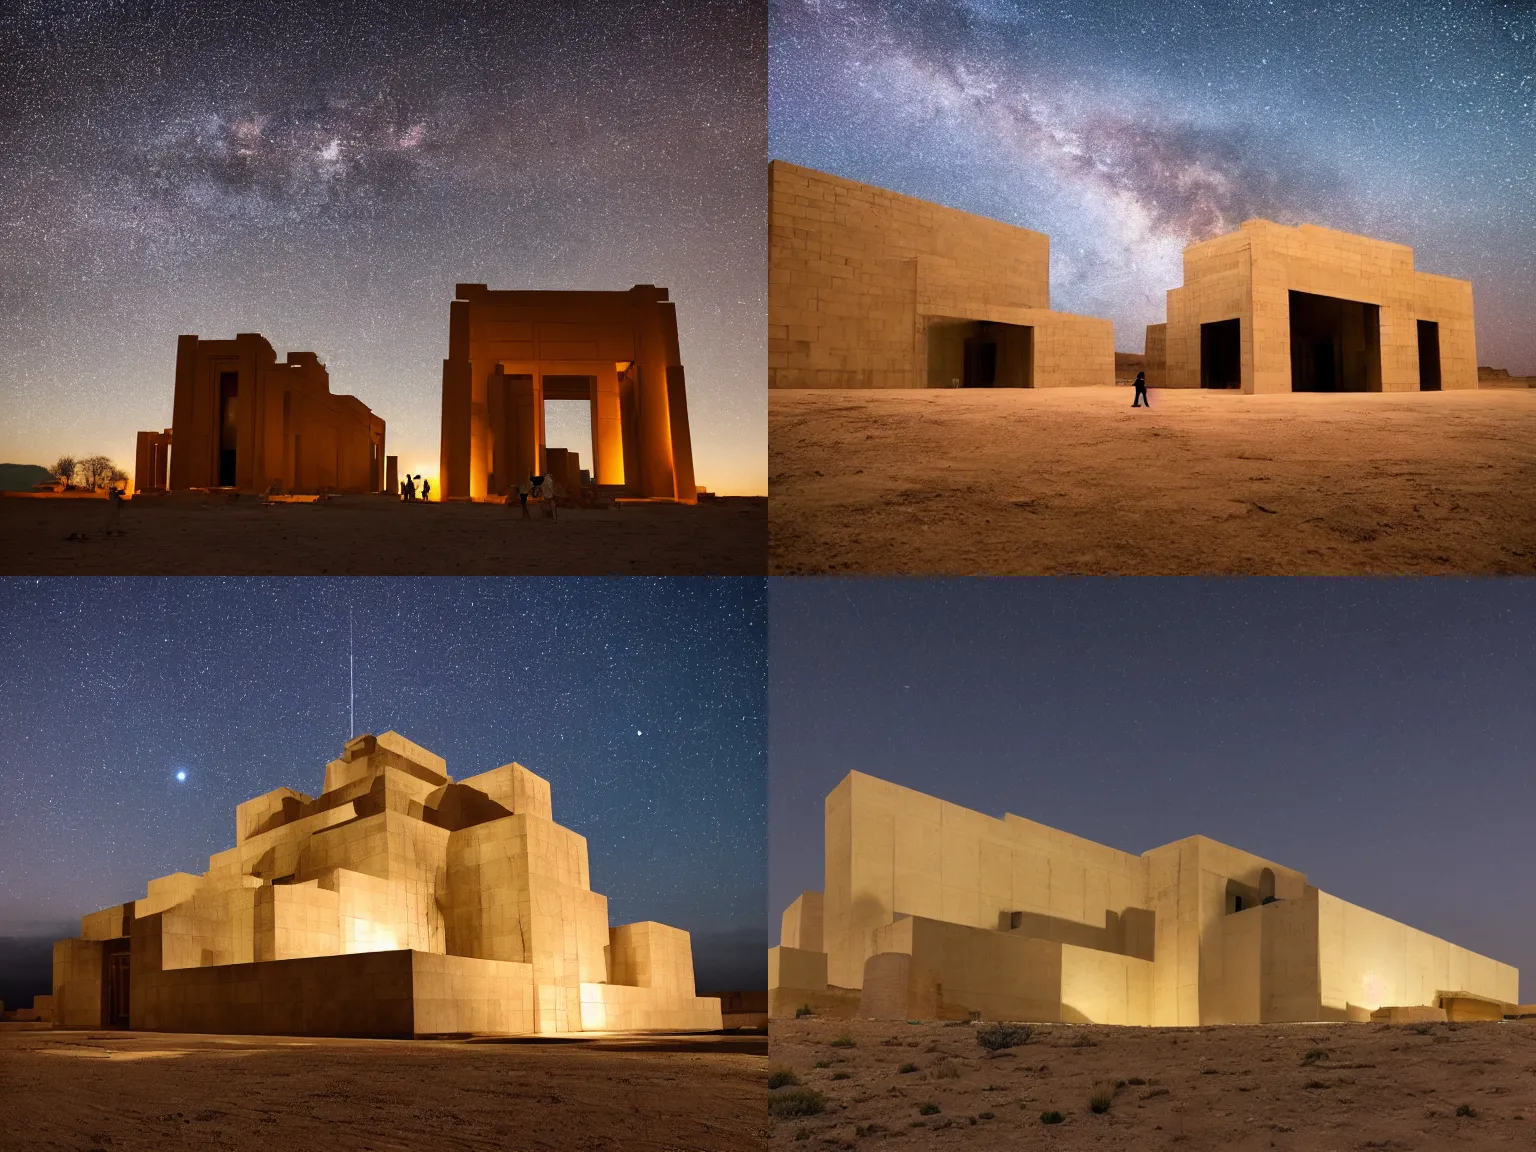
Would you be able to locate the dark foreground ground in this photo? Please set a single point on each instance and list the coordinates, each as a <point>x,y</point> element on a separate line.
<point>1073,480</point>
<point>375,536</point>
<point>119,1091</point>
<point>1243,1088</point>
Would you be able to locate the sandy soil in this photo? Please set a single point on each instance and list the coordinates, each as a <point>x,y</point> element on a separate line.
<point>1306,1086</point>
<point>1073,480</point>
<point>375,536</point>
<point>117,1091</point>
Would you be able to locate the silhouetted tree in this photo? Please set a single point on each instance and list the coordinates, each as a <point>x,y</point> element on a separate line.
<point>64,469</point>
<point>96,471</point>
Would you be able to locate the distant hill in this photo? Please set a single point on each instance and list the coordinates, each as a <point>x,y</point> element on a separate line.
<point>21,477</point>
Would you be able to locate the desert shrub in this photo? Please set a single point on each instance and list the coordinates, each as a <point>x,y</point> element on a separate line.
<point>796,1102</point>
<point>1317,1084</point>
<point>996,1037</point>
<point>1136,1080</point>
<point>802,1133</point>
<point>841,1075</point>
<point>1103,1096</point>
<point>905,1068</point>
<point>781,1077</point>
<point>844,1041</point>
<point>1421,1029</point>
<point>927,1109</point>
<point>1084,1041</point>
<point>1313,1055</point>
<point>823,1063</point>
<point>870,1129</point>
<point>945,1069</point>
<point>803,1010</point>
<point>1465,1110</point>
<point>1052,1117</point>
<point>985,1116</point>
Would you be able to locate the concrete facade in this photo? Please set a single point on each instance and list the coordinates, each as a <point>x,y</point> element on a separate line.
<point>871,289</point>
<point>935,911</point>
<point>1272,308</point>
<point>398,902</point>
<point>246,421</point>
<point>509,352</point>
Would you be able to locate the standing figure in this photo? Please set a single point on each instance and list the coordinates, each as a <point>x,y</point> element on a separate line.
<point>114,509</point>
<point>549,495</point>
<point>426,489</point>
<point>522,495</point>
<point>1140,400</point>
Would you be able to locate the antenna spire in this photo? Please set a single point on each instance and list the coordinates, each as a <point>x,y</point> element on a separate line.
<point>351,683</point>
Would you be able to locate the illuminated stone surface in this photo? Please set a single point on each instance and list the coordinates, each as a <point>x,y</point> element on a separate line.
<point>871,289</point>
<point>1271,308</point>
<point>244,420</point>
<point>398,902</point>
<point>934,911</point>
<point>509,352</point>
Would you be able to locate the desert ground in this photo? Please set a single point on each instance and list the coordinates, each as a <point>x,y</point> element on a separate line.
<point>192,535</point>
<point>1075,481</point>
<point>121,1091</point>
<point>1298,1086</point>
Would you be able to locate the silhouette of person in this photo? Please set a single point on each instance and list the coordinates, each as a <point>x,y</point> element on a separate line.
<point>549,495</point>
<point>522,496</point>
<point>410,487</point>
<point>114,509</point>
<point>1140,400</point>
<point>426,489</point>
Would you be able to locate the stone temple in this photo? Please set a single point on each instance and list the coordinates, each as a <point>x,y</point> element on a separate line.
<point>871,289</point>
<point>934,911</point>
<point>1272,308</point>
<point>511,351</point>
<point>244,420</point>
<point>397,903</point>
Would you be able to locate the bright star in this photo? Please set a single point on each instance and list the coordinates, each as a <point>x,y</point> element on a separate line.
<point>181,774</point>
<point>638,732</point>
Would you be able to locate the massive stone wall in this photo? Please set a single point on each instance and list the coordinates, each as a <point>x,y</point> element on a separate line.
<point>863,285</point>
<point>1249,275</point>
<point>937,911</point>
<point>472,907</point>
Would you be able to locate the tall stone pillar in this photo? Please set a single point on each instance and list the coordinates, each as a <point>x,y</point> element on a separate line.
<point>453,461</point>
<point>656,477</point>
<point>607,430</point>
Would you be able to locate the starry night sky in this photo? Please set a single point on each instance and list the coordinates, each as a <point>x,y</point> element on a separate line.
<point>1377,735</point>
<point>641,701</point>
<point>1127,130</point>
<point>323,173</point>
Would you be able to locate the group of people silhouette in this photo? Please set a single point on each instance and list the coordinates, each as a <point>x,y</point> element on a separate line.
<point>538,486</point>
<point>543,486</point>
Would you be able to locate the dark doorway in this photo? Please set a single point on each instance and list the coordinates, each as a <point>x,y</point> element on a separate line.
<point>114,984</point>
<point>1335,344</point>
<point>979,354</point>
<point>1221,354</point>
<point>229,393</point>
<point>980,362</point>
<point>1429,356</point>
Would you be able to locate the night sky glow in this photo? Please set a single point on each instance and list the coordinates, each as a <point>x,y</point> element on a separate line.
<point>1126,131</point>
<point>324,174</point>
<point>1377,735</point>
<point>641,701</point>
